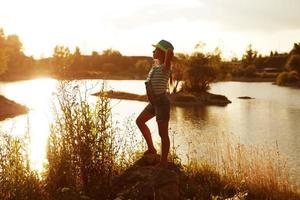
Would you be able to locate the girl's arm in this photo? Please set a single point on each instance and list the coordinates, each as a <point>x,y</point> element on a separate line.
<point>168,58</point>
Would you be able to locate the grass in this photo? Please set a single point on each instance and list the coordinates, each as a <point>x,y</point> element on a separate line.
<point>17,180</point>
<point>230,168</point>
<point>86,151</point>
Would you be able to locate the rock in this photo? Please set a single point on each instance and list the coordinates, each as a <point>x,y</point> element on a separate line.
<point>214,99</point>
<point>145,181</point>
<point>245,97</point>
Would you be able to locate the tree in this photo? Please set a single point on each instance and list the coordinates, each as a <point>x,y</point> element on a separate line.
<point>2,38</point>
<point>142,66</point>
<point>3,61</point>
<point>94,61</point>
<point>296,49</point>
<point>3,58</point>
<point>199,73</point>
<point>76,60</point>
<point>293,63</point>
<point>95,54</point>
<point>111,53</point>
<point>250,71</point>
<point>179,65</point>
<point>14,44</point>
<point>61,58</point>
<point>12,58</point>
<point>249,56</point>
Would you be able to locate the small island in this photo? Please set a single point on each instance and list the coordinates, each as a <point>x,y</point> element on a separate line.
<point>177,99</point>
<point>10,108</point>
<point>245,97</point>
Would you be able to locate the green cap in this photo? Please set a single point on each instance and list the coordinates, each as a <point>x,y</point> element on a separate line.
<point>163,45</point>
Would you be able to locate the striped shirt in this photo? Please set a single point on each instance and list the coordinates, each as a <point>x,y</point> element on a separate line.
<point>159,79</point>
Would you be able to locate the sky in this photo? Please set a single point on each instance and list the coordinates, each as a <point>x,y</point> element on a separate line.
<point>131,26</point>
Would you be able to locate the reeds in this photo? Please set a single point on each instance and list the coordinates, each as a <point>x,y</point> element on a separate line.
<point>17,180</point>
<point>85,151</point>
<point>229,167</point>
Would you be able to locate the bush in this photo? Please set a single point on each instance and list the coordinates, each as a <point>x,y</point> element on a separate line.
<point>200,72</point>
<point>286,78</point>
<point>293,76</point>
<point>282,78</point>
<point>84,151</point>
<point>293,63</point>
<point>17,180</point>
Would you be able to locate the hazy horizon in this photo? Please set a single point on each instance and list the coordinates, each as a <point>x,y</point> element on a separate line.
<point>132,26</point>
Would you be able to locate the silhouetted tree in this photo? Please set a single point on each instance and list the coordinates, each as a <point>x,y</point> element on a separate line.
<point>296,49</point>
<point>111,53</point>
<point>179,65</point>
<point>199,73</point>
<point>249,56</point>
<point>61,58</point>
<point>142,66</point>
<point>3,61</point>
<point>293,63</point>
<point>2,38</point>
<point>76,60</point>
<point>12,58</point>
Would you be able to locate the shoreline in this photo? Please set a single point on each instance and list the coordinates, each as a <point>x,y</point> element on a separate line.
<point>10,109</point>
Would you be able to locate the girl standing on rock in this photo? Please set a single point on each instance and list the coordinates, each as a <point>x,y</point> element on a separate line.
<point>159,104</point>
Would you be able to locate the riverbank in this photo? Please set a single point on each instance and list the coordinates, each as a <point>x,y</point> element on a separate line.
<point>10,108</point>
<point>178,99</point>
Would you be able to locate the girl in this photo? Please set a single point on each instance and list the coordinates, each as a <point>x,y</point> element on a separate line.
<point>159,104</point>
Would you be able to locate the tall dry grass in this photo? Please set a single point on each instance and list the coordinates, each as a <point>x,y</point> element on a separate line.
<point>17,180</point>
<point>85,151</point>
<point>228,167</point>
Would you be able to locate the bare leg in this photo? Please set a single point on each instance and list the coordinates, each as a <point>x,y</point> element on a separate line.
<point>141,123</point>
<point>163,129</point>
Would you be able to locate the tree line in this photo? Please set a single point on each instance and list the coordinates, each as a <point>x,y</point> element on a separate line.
<point>196,70</point>
<point>12,58</point>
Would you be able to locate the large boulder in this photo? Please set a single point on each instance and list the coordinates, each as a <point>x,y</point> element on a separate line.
<point>145,181</point>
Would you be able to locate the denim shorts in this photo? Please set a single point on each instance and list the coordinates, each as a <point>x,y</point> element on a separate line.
<point>160,108</point>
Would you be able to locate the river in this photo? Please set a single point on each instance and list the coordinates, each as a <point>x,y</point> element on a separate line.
<point>272,117</point>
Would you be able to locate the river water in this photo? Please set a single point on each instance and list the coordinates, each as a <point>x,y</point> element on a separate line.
<point>271,118</point>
